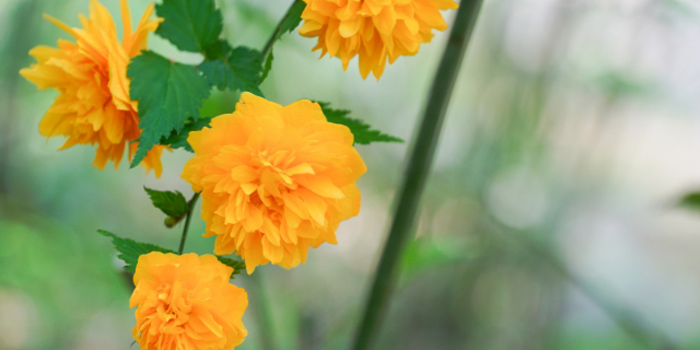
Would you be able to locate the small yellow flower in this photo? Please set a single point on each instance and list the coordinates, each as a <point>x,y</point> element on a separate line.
<point>274,180</point>
<point>185,302</point>
<point>374,30</point>
<point>93,105</point>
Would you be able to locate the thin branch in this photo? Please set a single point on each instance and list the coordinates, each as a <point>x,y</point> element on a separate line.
<point>190,204</point>
<point>278,30</point>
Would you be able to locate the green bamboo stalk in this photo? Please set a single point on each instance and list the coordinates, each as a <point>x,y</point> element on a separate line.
<point>421,158</point>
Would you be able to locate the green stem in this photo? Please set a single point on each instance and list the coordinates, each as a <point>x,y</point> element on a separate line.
<point>278,30</point>
<point>417,172</point>
<point>262,311</point>
<point>190,204</point>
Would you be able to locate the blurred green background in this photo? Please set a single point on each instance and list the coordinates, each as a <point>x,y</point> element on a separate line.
<point>549,221</point>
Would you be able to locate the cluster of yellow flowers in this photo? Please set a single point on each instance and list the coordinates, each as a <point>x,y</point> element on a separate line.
<point>274,180</point>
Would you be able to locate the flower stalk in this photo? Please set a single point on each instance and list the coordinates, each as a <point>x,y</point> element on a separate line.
<point>421,158</point>
<point>191,205</point>
<point>278,30</point>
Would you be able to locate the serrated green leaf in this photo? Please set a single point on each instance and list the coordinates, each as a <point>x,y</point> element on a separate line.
<point>189,25</point>
<point>178,139</point>
<point>241,71</point>
<point>293,18</point>
<point>237,265</point>
<point>171,203</point>
<point>168,93</point>
<point>219,50</point>
<point>361,130</point>
<point>267,67</point>
<point>690,201</point>
<point>130,250</point>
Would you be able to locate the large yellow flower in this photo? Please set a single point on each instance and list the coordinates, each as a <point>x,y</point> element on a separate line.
<point>185,302</point>
<point>274,180</point>
<point>374,30</point>
<point>93,105</point>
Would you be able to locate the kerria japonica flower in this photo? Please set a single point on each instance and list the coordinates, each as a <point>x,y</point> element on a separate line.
<point>93,104</point>
<point>274,180</point>
<point>185,302</point>
<point>374,30</point>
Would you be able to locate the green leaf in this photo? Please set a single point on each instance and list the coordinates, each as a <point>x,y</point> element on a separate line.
<point>130,250</point>
<point>171,203</point>
<point>237,265</point>
<point>168,93</point>
<point>361,130</point>
<point>293,18</point>
<point>219,50</point>
<point>267,66</point>
<point>241,71</point>
<point>178,139</point>
<point>690,201</point>
<point>190,25</point>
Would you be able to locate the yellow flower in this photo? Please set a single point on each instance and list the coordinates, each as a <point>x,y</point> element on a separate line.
<point>185,302</point>
<point>274,180</point>
<point>374,30</point>
<point>93,105</point>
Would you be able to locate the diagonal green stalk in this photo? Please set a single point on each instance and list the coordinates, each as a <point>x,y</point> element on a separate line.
<point>278,30</point>
<point>190,204</point>
<point>421,158</point>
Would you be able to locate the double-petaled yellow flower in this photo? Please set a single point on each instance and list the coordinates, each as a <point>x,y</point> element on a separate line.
<point>93,105</point>
<point>374,30</point>
<point>185,302</point>
<point>274,180</point>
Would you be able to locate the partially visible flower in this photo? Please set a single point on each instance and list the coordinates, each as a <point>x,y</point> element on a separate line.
<point>274,180</point>
<point>374,30</point>
<point>185,302</point>
<point>93,105</point>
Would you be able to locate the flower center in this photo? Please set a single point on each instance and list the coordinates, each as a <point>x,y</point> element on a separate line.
<point>173,308</point>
